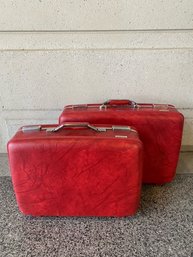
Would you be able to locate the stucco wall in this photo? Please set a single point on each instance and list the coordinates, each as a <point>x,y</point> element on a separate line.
<point>54,53</point>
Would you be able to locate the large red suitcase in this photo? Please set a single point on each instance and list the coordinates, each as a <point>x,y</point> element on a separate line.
<point>76,170</point>
<point>159,125</point>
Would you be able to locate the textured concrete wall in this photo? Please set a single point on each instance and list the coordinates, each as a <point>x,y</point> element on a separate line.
<point>54,53</point>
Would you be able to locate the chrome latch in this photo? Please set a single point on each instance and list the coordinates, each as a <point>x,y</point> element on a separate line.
<point>30,128</point>
<point>124,128</point>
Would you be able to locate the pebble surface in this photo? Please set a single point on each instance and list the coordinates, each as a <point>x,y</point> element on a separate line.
<point>163,226</point>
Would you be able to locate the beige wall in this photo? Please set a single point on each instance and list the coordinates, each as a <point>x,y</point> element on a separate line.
<point>54,53</point>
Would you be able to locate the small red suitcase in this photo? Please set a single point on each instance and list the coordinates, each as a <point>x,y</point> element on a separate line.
<point>159,126</point>
<point>76,170</point>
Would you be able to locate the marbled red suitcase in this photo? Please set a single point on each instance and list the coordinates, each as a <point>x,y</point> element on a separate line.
<point>159,125</point>
<point>76,170</point>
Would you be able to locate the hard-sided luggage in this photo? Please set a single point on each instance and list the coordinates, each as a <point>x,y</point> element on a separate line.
<point>76,169</point>
<point>159,126</point>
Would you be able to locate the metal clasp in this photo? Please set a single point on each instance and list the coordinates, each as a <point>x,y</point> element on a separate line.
<point>30,128</point>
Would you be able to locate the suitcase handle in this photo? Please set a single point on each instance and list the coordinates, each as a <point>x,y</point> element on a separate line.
<point>76,125</point>
<point>88,125</point>
<point>65,125</point>
<point>122,102</point>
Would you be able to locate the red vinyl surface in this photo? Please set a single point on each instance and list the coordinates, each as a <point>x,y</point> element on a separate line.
<point>76,172</point>
<point>159,126</point>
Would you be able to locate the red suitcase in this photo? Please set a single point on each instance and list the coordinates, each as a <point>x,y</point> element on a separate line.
<point>76,170</point>
<point>160,129</point>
